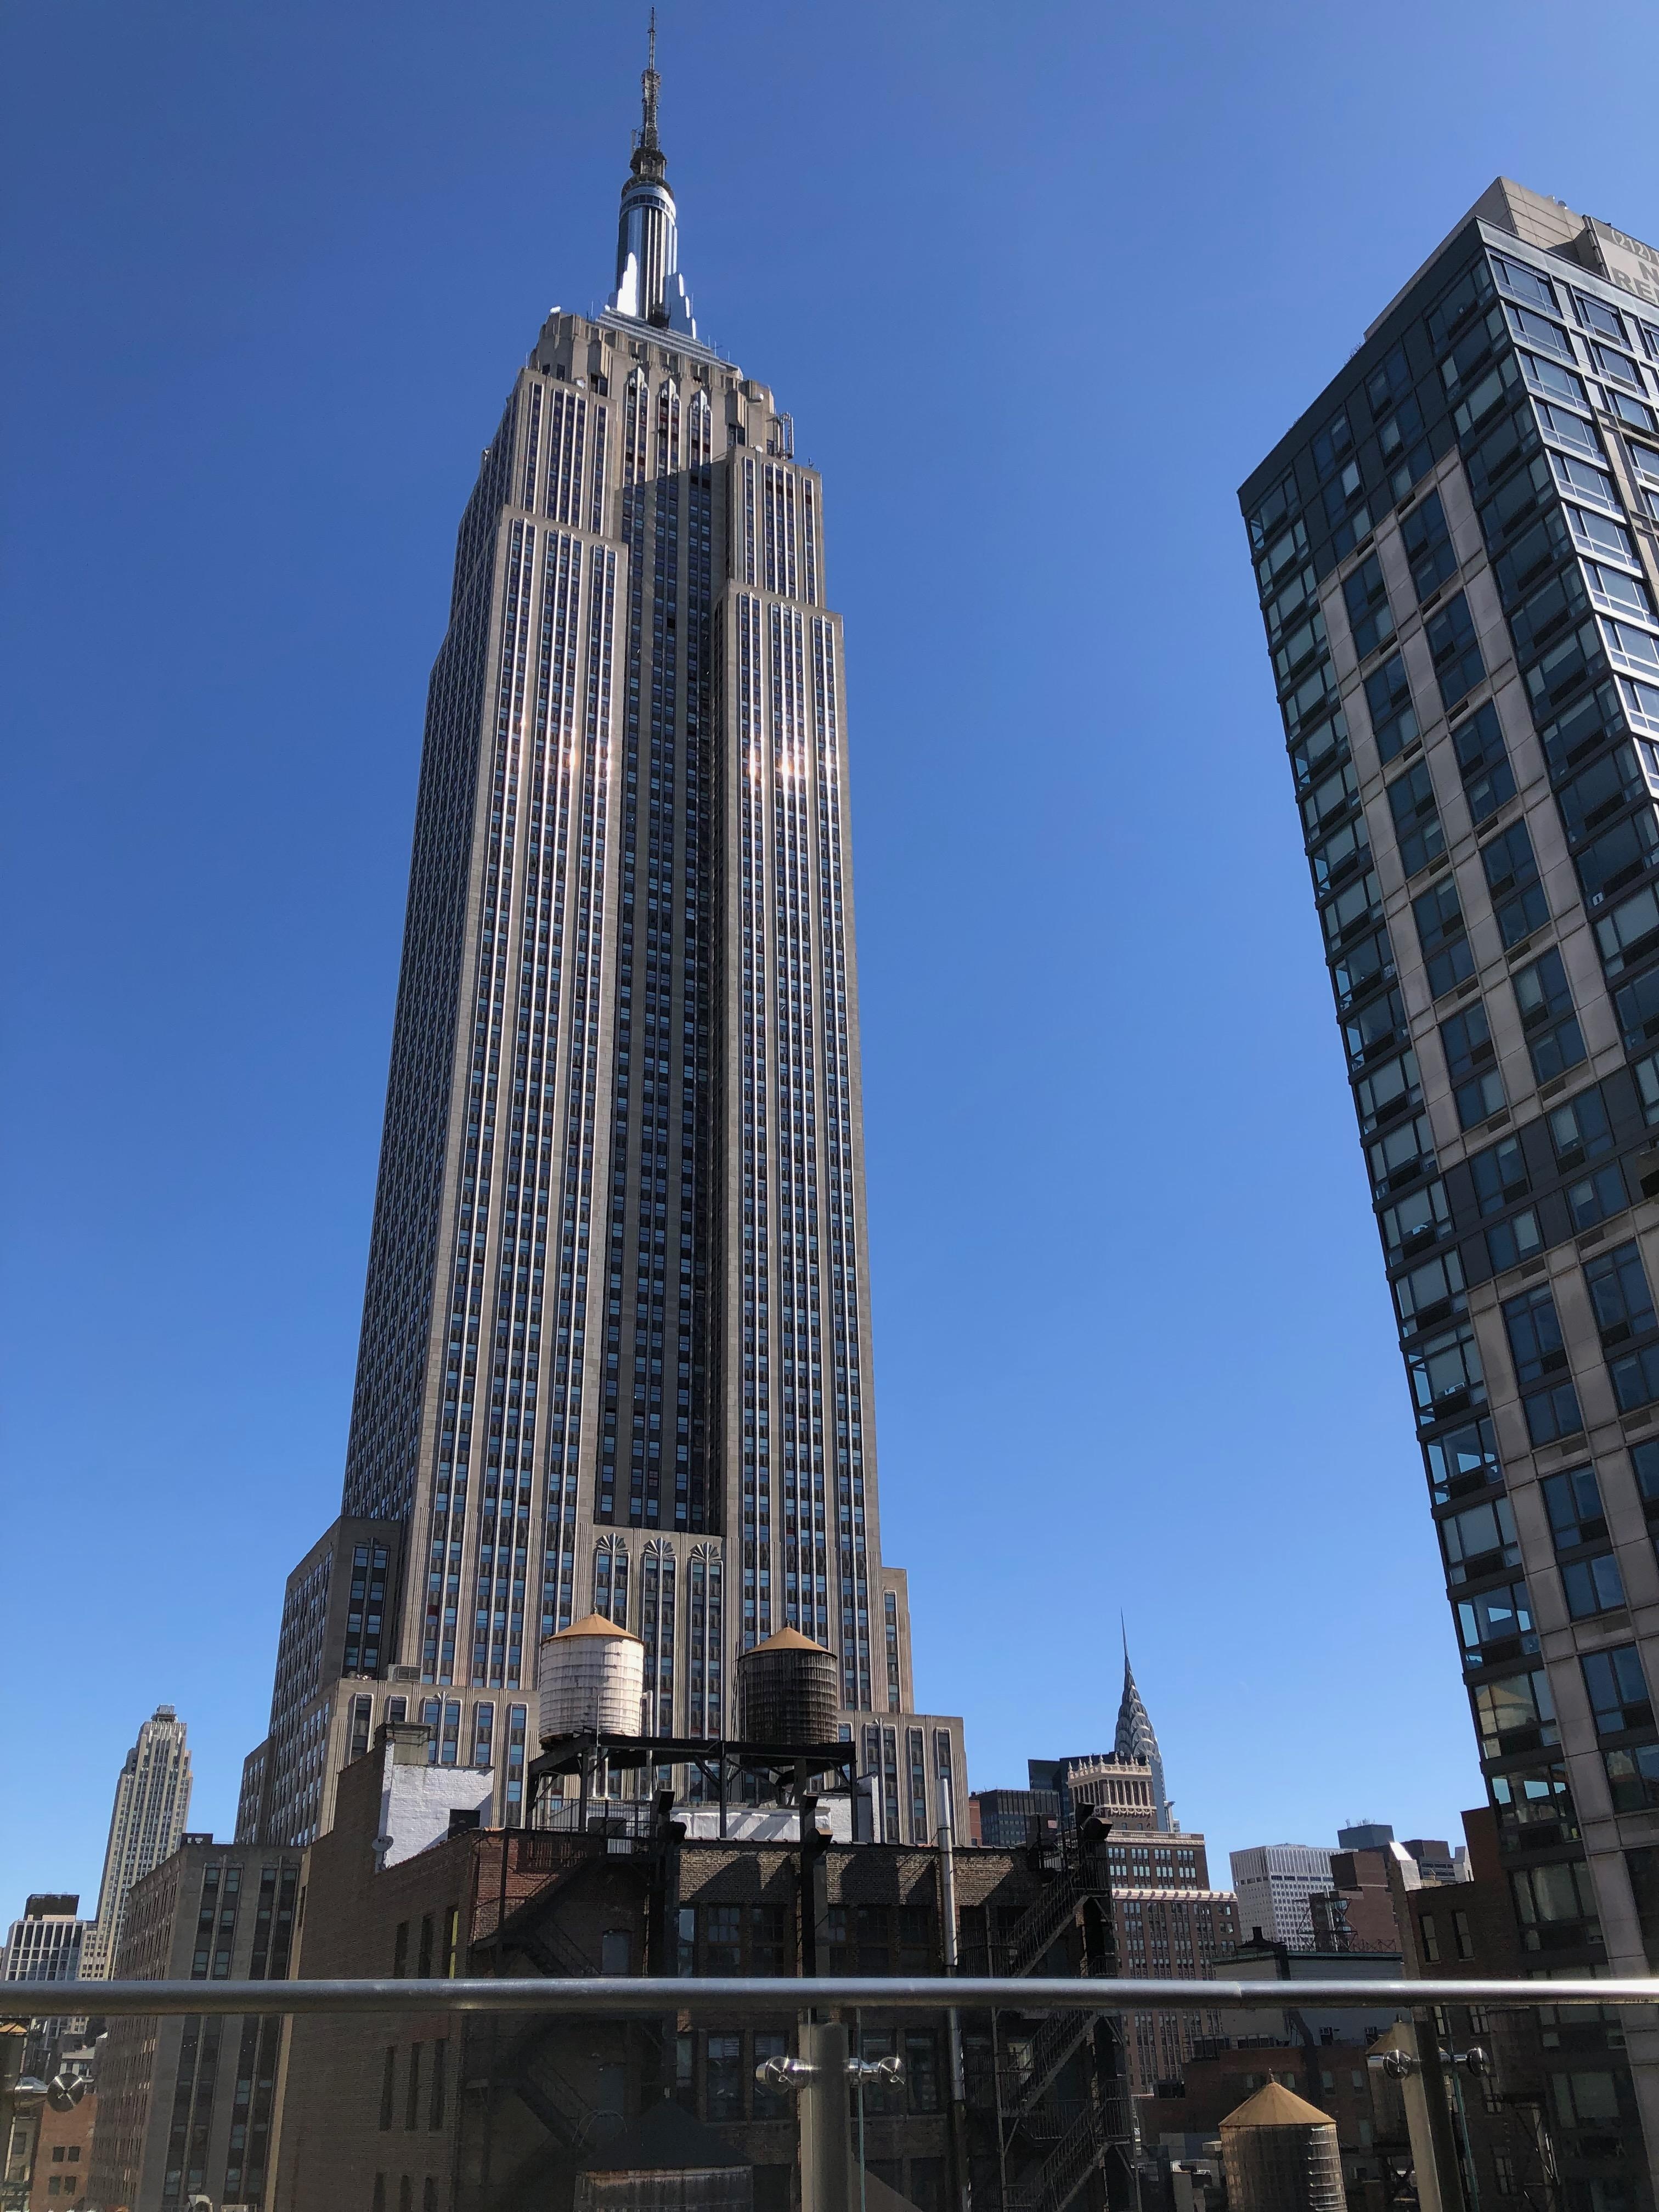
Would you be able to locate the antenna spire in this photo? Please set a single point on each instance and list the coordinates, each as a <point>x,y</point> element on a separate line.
<point>650,86</point>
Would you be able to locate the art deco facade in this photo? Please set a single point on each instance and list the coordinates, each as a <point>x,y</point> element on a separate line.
<point>616,1349</point>
<point>152,1804</point>
<point>1456,554</point>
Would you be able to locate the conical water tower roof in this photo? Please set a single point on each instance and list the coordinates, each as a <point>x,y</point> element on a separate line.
<point>1276,2106</point>
<point>595,1623</point>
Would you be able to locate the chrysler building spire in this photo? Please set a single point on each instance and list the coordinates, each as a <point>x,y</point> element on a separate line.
<point>648,283</point>
<point>1136,1736</point>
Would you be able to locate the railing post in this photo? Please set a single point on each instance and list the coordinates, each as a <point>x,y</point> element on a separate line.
<point>947,1871</point>
<point>826,2136</point>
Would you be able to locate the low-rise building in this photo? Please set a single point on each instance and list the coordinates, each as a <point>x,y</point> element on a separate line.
<point>437,2112</point>
<point>62,2177</point>
<point>186,2103</point>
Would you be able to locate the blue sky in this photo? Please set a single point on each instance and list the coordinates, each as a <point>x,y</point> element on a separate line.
<point>1039,286</point>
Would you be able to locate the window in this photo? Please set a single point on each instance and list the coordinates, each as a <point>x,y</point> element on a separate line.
<point>1417,1220</point>
<point>1550,381</point>
<point>1554,1892</point>
<point>1619,856</point>
<point>1338,856</point>
<point>412,2104</point>
<point>1616,593</point>
<point>1597,1197</point>
<point>1573,1501</point>
<point>1428,546</point>
<point>1346,914</point>
<point>1533,330</point>
<point>1388,384</point>
<point>1443,937</point>
<point>615,1951</point>
<point>1500,1174</point>
<point>1404,1154</point>
<point>1580,1130</point>
<point>1389,697</point>
<point>1629,933</point>
<point>1388,1090</point>
<point>1461,1938</point>
<point>1564,429</point>
<point>1369,614</point>
<point>1446,1375</point>
<point>1592,1586</point>
<point>1618,1292</point>
<point>1515,1713</point>
<point>1581,479</point>
<point>1483,762</point>
<point>922,2069</point>
<point>1416,818</point>
<point>1512,876</point>
<point>722,2077</point>
<point>1430,1292</point>
<point>1510,1242</point>
<point>1377,1026</point>
<point>1618,365</point>
<point>1499,1618</point>
<point>1458,666</point>
<point>1601,790</point>
<point>435,2118</point>
<point>1539,1353</point>
<point>1480,1540</point>
<point>388,2084</point>
<point>1618,1690</point>
<point>1553,1039</point>
<point>1588,2100</point>
<point>1477,1086</point>
<point>1364,962</point>
<point>1633,1773</point>
<point>1534,1334</point>
<point>1523,283</point>
<point>722,1939</point>
<point>400,1951</point>
<point>1332,444</point>
<point>1533,1804</point>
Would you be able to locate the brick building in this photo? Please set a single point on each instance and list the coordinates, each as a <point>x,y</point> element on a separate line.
<point>436,2111</point>
<point>186,2103</point>
<point>63,2157</point>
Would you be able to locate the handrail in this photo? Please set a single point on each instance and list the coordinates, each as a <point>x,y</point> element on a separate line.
<point>620,1994</point>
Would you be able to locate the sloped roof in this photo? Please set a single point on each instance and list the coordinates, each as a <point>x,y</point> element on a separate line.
<point>790,1639</point>
<point>1276,2106</point>
<point>595,1623</point>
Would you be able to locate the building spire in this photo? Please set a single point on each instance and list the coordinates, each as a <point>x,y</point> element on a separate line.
<point>648,160</point>
<point>1136,1736</point>
<point>648,283</point>
<point>650,86</point>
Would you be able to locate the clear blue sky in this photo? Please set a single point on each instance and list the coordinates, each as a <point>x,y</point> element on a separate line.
<point>1040,285</point>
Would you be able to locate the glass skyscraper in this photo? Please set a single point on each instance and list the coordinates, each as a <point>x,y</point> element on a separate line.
<point>1456,554</point>
<point>615,1347</point>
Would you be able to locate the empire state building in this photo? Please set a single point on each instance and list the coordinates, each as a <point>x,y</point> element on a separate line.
<point>616,1350</point>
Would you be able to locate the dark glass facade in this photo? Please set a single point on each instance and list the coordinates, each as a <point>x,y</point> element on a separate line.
<point>1454,553</point>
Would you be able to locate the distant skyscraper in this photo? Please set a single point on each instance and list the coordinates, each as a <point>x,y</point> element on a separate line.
<point>46,1944</point>
<point>1455,555</point>
<point>1273,1883</point>
<point>1137,1738</point>
<point>615,1347</point>
<point>152,1804</point>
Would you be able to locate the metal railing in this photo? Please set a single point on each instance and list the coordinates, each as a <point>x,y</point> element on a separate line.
<point>746,1996</point>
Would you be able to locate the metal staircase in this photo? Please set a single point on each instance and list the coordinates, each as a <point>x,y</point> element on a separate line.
<point>1075,2140</point>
